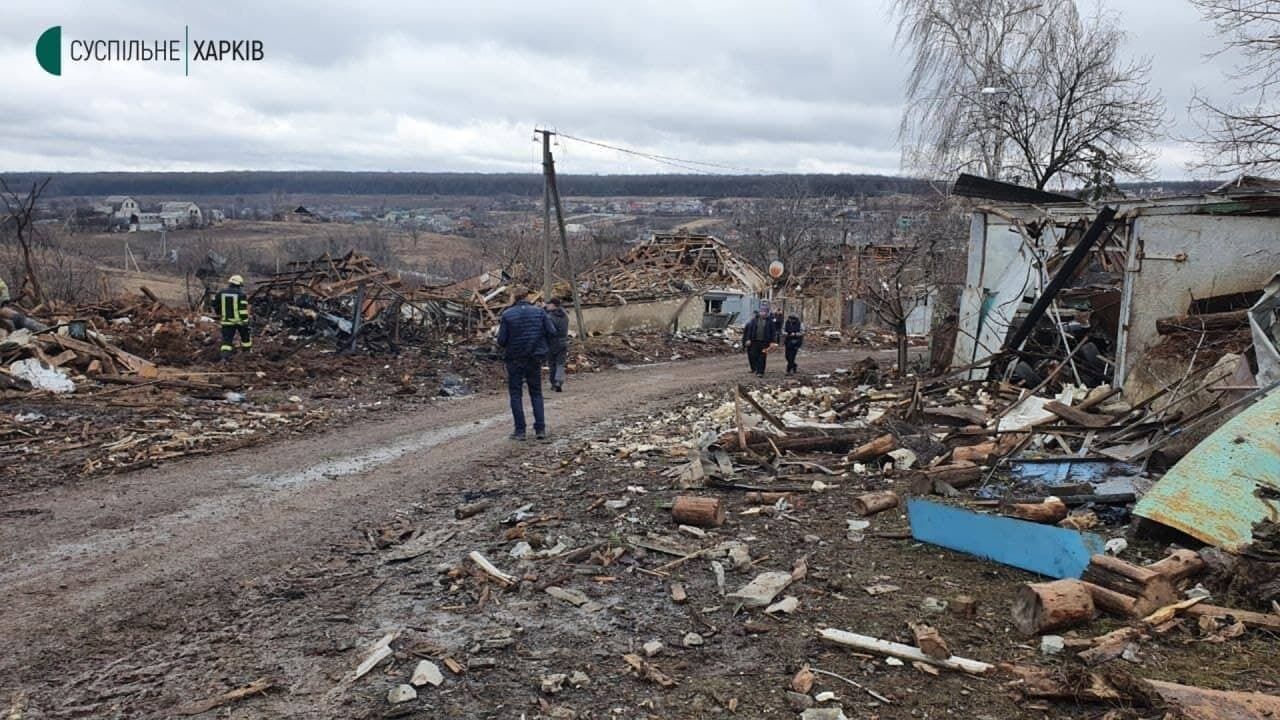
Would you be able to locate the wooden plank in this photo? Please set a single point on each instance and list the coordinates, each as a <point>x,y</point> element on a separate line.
<point>1052,551</point>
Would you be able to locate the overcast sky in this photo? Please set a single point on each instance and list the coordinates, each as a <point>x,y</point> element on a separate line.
<point>796,86</point>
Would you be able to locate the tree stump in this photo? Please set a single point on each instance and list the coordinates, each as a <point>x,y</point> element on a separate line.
<point>698,511</point>
<point>1040,607</point>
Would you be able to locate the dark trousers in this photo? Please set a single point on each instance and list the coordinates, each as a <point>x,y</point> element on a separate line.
<point>756,357</point>
<point>229,336</point>
<point>791,357</point>
<point>556,363</point>
<point>521,372</point>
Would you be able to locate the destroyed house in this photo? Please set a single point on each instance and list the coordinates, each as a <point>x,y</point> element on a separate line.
<point>672,281</point>
<point>1134,276</point>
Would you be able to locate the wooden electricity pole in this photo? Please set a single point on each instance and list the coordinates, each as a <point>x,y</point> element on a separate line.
<point>553,195</point>
<point>546,216</point>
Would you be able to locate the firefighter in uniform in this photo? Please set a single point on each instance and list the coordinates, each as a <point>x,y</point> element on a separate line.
<point>233,313</point>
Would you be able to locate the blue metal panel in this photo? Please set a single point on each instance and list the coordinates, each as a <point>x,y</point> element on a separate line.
<point>1045,549</point>
<point>1211,494</point>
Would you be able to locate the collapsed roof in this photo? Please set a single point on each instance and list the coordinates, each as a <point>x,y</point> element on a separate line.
<point>670,265</point>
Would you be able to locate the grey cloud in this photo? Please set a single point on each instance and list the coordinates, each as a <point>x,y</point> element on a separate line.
<point>806,85</point>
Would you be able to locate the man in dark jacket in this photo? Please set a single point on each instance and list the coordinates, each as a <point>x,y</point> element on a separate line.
<point>559,344</point>
<point>525,332</point>
<point>777,320</point>
<point>757,338</point>
<point>792,339</point>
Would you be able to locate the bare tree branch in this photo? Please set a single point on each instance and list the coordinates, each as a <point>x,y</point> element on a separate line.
<point>1022,88</point>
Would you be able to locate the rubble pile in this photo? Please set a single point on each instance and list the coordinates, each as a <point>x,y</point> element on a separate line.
<point>668,265</point>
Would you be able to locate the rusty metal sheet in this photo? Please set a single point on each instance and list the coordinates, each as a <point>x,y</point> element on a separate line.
<point>1210,493</point>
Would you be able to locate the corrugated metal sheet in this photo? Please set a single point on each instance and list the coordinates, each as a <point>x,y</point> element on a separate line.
<point>1211,494</point>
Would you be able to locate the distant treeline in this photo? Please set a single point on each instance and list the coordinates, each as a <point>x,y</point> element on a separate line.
<point>471,184</point>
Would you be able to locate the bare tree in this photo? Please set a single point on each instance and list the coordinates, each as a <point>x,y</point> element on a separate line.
<point>19,220</point>
<point>786,228</point>
<point>925,259</point>
<point>1022,88</point>
<point>1244,136</point>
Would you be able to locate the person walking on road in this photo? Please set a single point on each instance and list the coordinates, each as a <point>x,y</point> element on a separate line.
<point>792,339</point>
<point>525,333</point>
<point>559,350</point>
<point>757,337</point>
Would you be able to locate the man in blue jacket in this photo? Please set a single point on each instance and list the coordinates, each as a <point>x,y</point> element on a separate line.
<point>525,333</point>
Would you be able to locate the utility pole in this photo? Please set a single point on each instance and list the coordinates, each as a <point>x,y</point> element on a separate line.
<point>546,214</point>
<point>553,196</point>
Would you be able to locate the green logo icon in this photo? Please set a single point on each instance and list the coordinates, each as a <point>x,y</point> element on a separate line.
<point>49,50</point>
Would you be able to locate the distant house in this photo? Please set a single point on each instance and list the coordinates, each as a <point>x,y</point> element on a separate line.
<point>150,221</point>
<point>120,207</point>
<point>181,214</point>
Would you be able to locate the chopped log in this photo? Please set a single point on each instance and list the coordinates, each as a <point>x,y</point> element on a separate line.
<point>1230,320</point>
<point>1050,511</point>
<point>1179,565</point>
<point>902,652</point>
<point>956,475</point>
<point>877,447</point>
<point>1195,702</point>
<point>1151,589</point>
<point>698,511</point>
<point>1113,602</point>
<point>977,454</point>
<point>1040,607</point>
<point>1076,416</point>
<point>1256,620</point>
<point>874,502</point>
<point>462,512</point>
<point>929,641</point>
<point>649,671</point>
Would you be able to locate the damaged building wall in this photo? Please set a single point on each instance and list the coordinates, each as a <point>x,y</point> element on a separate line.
<point>1224,255</point>
<point>670,314</point>
<point>1000,273</point>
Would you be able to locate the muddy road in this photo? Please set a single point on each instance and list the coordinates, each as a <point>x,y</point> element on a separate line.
<point>97,573</point>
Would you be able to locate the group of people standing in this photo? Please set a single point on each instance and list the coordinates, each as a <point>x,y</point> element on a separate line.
<point>764,332</point>
<point>531,335</point>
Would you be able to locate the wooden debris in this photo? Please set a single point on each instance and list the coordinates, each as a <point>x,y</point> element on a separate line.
<point>1075,416</point>
<point>902,652</point>
<point>874,502</point>
<point>875,448</point>
<point>802,681</point>
<point>256,687</point>
<point>1050,511</point>
<point>1179,565</point>
<point>491,570</point>
<point>944,477</point>
<point>1040,607</point>
<point>1110,646</point>
<point>1151,589</point>
<point>930,641</point>
<point>649,671</point>
<point>698,511</point>
<point>462,512</point>
<point>678,594</point>
<point>380,651</point>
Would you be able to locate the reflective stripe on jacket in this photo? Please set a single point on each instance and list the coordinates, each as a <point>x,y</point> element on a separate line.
<point>233,306</point>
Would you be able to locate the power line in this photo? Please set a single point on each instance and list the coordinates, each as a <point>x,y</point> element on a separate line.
<point>665,159</point>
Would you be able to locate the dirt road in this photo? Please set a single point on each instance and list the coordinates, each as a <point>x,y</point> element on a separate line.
<point>97,571</point>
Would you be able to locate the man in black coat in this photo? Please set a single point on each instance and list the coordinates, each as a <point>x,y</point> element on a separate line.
<point>757,337</point>
<point>525,333</point>
<point>559,344</point>
<point>792,339</point>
